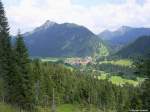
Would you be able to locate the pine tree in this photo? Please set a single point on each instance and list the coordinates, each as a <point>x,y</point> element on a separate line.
<point>4,39</point>
<point>143,68</point>
<point>25,87</point>
<point>7,66</point>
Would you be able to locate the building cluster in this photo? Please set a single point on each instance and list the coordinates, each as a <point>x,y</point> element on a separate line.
<point>79,61</point>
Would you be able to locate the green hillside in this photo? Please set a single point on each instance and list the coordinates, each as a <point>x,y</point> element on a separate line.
<point>141,47</point>
<point>121,62</point>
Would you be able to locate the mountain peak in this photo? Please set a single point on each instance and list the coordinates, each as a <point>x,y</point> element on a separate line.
<point>48,23</point>
<point>70,25</point>
<point>123,29</point>
<point>106,31</point>
<point>126,27</point>
<point>63,40</point>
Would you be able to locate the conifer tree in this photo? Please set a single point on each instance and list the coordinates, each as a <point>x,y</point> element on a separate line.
<point>25,87</point>
<point>144,69</point>
<point>4,39</point>
<point>7,66</point>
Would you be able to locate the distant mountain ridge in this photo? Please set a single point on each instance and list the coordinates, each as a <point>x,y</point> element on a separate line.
<point>60,40</point>
<point>109,35</point>
<point>123,36</point>
<point>140,47</point>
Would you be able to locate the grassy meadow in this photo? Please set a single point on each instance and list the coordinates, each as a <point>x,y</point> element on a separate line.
<point>121,62</point>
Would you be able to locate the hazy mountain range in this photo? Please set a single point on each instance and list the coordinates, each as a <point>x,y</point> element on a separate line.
<point>60,40</point>
<point>140,47</point>
<point>66,40</point>
<point>123,36</point>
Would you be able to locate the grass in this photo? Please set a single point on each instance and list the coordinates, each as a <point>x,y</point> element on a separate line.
<point>71,108</point>
<point>69,67</point>
<point>121,62</point>
<point>60,108</point>
<point>7,108</point>
<point>118,80</point>
<point>68,108</point>
<point>53,59</point>
<point>49,59</point>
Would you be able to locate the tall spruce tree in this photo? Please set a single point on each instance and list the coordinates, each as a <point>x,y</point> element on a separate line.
<point>4,39</point>
<point>8,70</point>
<point>144,69</point>
<point>25,86</point>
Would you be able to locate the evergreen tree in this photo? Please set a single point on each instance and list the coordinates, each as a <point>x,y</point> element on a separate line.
<point>143,69</point>
<point>25,86</point>
<point>4,39</point>
<point>8,68</point>
<point>145,88</point>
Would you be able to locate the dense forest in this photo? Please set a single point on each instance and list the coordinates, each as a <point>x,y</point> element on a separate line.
<point>29,84</point>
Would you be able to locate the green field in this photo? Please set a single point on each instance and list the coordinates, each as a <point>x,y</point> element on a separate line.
<point>60,108</point>
<point>118,80</point>
<point>121,62</point>
<point>75,108</point>
<point>7,108</point>
<point>49,59</point>
<point>115,78</point>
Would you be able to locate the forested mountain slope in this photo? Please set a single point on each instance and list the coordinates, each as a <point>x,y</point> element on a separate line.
<point>123,36</point>
<point>68,39</point>
<point>141,47</point>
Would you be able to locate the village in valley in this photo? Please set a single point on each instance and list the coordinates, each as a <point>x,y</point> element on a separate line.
<point>79,61</point>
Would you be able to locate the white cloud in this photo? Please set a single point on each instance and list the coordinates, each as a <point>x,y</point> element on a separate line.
<point>29,14</point>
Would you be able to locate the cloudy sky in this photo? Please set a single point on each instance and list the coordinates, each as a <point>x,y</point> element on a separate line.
<point>97,15</point>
